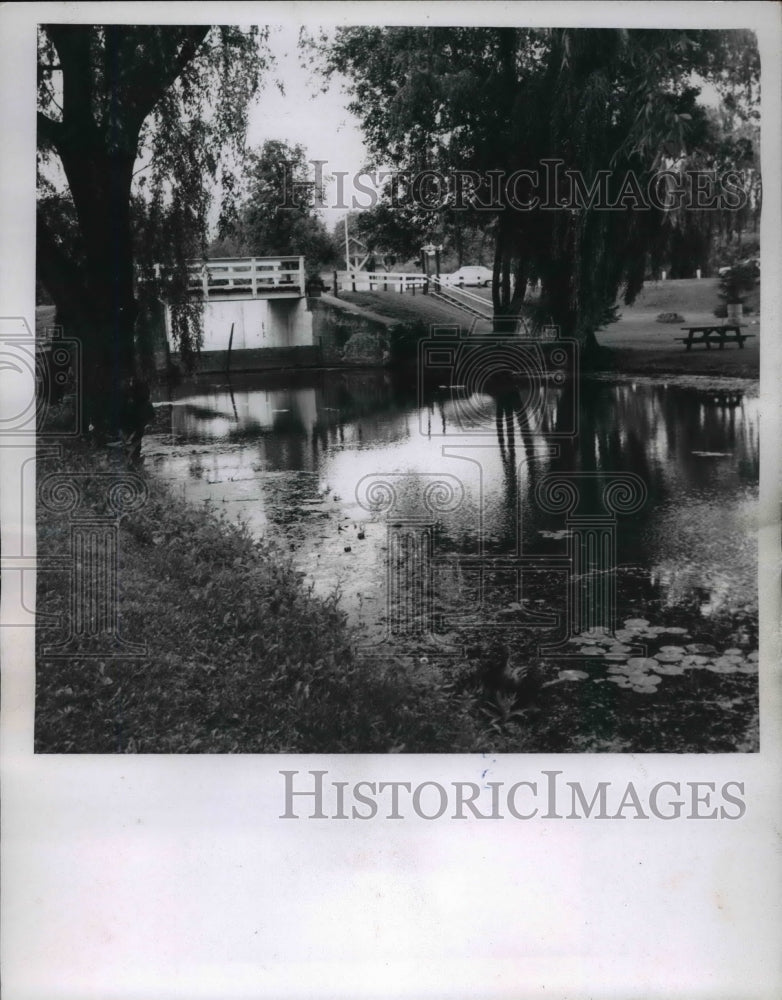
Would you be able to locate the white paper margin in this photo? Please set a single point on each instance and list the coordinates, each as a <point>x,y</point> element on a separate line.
<point>172,876</point>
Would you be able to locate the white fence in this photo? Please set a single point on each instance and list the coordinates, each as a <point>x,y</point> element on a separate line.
<point>248,277</point>
<point>379,281</point>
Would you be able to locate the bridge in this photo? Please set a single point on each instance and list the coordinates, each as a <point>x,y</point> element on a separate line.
<point>248,278</point>
<point>255,313</point>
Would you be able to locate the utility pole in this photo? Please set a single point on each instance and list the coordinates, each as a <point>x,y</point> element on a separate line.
<point>347,247</point>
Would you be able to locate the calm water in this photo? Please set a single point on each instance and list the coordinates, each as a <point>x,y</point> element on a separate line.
<point>302,457</point>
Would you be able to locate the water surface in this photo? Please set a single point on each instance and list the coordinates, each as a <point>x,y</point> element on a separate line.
<point>298,456</point>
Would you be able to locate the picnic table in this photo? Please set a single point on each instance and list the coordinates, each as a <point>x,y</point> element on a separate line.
<point>714,333</point>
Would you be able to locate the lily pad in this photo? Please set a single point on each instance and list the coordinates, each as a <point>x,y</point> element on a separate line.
<point>636,622</point>
<point>701,648</point>
<point>619,680</point>
<point>641,663</point>
<point>693,661</point>
<point>646,683</point>
<point>589,651</point>
<point>615,657</point>
<point>674,630</point>
<point>733,652</point>
<point>619,647</point>
<point>670,669</point>
<point>724,665</point>
<point>753,656</point>
<point>672,649</point>
<point>597,636</point>
<point>668,657</point>
<point>573,675</point>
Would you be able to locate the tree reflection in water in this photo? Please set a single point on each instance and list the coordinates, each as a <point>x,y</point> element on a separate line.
<point>695,449</point>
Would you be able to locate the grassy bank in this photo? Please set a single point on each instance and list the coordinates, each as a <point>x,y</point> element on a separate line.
<point>636,344</point>
<point>241,657</point>
<point>409,308</point>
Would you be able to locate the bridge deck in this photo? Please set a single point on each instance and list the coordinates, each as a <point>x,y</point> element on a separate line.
<point>248,278</point>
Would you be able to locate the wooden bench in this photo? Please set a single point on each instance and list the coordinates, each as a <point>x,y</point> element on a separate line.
<point>708,334</point>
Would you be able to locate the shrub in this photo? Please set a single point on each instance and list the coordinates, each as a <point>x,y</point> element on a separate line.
<point>366,348</point>
<point>738,282</point>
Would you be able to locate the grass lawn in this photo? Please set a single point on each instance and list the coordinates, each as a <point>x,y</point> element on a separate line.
<point>636,344</point>
<point>639,343</point>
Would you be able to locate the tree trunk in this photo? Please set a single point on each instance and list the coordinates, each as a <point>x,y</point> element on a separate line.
<point>500,287</point>
<point>112,78</point>
<point>96,303</point>
<point>458,238</point>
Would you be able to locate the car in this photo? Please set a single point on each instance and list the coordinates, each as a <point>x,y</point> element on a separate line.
<point>469,275</point>
<point>751,265</point>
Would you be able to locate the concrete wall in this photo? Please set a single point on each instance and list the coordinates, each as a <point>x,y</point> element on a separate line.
<point>289,323</point>
<point>257,324</point>
<point>334,326</point>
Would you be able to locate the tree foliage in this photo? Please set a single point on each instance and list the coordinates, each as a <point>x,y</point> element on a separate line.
<point>390,233</point>
<point>395,230</point>
<point>141,122</point>
<point>278,215</point>
<point>509,99</point>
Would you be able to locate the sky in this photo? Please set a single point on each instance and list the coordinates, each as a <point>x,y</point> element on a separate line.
<point>306,115</point>
<point>313,113</point>
<point>318,118</point>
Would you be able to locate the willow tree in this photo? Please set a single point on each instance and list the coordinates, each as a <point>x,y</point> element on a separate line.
<point>603,103</point>
<point>136,126</point>
<point>627,103</point>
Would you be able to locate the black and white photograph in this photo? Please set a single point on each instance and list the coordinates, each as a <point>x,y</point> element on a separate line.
<point>390,500</point>
<point>441,439</point>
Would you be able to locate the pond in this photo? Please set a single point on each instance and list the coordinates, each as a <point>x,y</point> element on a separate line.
<point>545,517</point>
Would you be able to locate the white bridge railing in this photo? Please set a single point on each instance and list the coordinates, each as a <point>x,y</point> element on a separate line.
<point>459,296</point>
<point>379,281</point>
<point>399,281</point>
<point>248,277</point>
